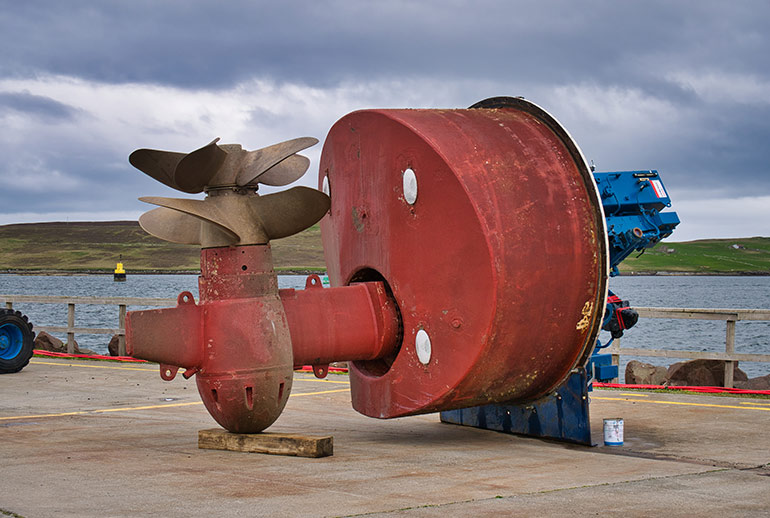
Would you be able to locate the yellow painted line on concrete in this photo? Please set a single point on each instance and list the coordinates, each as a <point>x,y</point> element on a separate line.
<point>760,403</point>
<point>145,407</point>
<point>633,394</point>
<point>114,367</point>
<point>99,411</point>
<point>320,392</point>
<point>681,403</point>
<point>316,380</point>
<point>155,369</point>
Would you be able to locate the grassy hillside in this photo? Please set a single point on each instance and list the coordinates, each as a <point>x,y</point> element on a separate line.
<point>96,246</point>
<point>77,247</point>
<point>707,256</point>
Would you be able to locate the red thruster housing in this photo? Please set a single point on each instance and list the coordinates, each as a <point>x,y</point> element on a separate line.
<point>245,335</point>
<point>236,340</point>
<point>486,227</point>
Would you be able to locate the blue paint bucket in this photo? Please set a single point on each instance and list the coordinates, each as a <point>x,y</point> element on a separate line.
<point>613,432</point>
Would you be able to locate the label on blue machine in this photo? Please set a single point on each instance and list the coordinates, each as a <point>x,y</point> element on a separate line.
<point>657,186</point>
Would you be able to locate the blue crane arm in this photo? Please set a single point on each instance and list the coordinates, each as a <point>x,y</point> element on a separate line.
<point>634,204</point>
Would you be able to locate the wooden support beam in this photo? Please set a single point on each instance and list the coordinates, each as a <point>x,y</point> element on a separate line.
<point>122,326</point>
<point>70,325</point>
<point>730,349</point>
<point>267,442</point>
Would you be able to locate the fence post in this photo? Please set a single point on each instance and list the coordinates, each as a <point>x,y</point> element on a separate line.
<point>70,326</point>
<point>122,327</point>
<point>730,349</point>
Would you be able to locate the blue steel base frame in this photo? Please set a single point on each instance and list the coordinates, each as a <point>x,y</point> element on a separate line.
<point>562,416</point>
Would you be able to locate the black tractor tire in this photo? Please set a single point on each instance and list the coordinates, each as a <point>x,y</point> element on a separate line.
<point>16,341</point>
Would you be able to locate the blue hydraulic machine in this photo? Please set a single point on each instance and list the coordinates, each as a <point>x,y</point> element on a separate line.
<point>634,204</point>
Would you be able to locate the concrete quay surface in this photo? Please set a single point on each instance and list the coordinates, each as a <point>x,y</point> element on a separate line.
<point>86,438</point>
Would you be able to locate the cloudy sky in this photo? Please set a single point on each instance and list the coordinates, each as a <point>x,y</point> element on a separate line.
<point>681,87</point>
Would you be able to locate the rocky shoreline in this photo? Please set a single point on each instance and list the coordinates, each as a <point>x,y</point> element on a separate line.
<point>691,373</point>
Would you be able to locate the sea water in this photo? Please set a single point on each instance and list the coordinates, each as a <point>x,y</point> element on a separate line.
<point>690,291</point>
<point>93,315</point>
<point>643,291</point>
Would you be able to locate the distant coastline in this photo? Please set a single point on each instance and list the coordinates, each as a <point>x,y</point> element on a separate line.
<point>310,271</point>
<point>94,248</point>
<point>279,271</point>
<point>696,274</point>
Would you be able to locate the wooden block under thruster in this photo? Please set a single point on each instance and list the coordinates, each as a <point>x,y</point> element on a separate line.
<point>266,442</point>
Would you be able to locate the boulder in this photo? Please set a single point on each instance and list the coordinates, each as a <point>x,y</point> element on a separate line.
<point>702,373</point>
<point>640,373</point>
<point>47,342</point>
<point>759,383</point>
<point>112,347</point>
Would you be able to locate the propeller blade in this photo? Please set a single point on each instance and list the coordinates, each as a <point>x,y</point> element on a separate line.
<point>172,225</point>
<point>196,169</point>
<point>288,212</point>
<point>259,161</point>
<point>157,164</point>
<point>285,172</point>
<point>178,227</point>
<point>201,209</point>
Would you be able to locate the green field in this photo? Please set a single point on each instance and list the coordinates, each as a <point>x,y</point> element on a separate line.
<point>706,256</point>
<point>97,246</point>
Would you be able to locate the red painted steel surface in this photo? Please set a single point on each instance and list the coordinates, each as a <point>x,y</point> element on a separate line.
<point>357,322</point>
<point>169,336</point>
<point>501,259</point>
<point>237,339</point>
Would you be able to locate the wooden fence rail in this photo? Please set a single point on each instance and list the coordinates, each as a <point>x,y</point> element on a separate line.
<point>121,302</point>
<point>730,316</point>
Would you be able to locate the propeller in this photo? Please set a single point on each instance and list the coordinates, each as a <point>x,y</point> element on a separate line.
<point>232,212</point>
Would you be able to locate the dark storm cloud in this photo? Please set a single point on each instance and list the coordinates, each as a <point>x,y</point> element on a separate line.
<point>683,87</point>
<point>712,150</point>
<point>34,105</point>
<point>194,44</point>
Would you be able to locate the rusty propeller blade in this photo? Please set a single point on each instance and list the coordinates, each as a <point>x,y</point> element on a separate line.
<point>204,210</point>
<point>230,212</point>
<point>179,227</point>
<point>258,162</point>
<point>157,164</point>
<point>195,170</point>
<point>285,172</point>
<point>244,219</point>
<point>291,211</point>
<point>230,215</point>
<point>171,225</point>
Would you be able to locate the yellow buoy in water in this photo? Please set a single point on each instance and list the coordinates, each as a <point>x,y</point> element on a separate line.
<point>120,273</point>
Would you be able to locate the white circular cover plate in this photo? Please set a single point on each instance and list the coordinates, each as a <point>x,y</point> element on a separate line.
<point>410,187</point>
<point>422,346</point>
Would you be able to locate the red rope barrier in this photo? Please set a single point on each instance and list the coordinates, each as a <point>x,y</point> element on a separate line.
<point>52,354</point>
<point>704,390</point>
